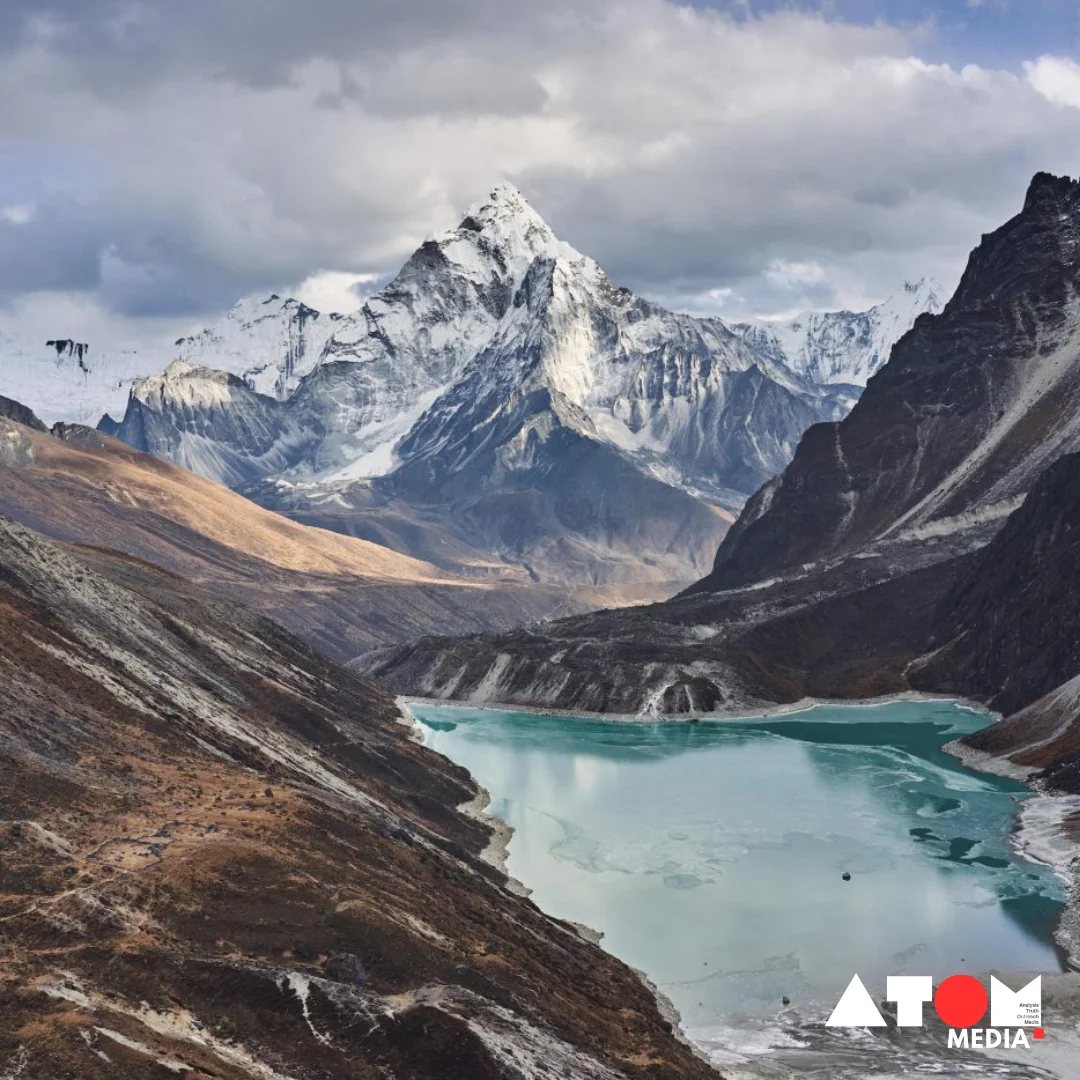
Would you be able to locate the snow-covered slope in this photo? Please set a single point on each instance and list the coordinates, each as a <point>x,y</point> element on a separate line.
<point>70,380</point>
<point>270,342</point>
<point>658,386</point>
<point>844,346</point>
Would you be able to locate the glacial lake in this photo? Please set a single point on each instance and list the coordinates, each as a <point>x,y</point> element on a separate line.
<point>711,856</point>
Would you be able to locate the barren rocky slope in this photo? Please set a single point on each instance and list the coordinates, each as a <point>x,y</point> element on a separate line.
<point>224,857</point>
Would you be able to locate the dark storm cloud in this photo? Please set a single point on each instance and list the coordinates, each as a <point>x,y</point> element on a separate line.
<point>117,43</point>
<point>57,251</point>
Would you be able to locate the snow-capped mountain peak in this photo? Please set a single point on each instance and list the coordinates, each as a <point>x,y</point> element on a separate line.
<point>504,225</point>
<point>412,341</point>
<point>184,385</point>
<point>503,384</point>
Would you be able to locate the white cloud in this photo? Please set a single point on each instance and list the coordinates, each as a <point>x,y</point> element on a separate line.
<point>45,315</point>
<point>1057,78</point>
<point>331,290</point>
<point>795,274</point>
<point>694,155</point>
<point>17,213</point>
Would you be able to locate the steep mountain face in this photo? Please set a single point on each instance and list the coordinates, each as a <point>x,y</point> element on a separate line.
<point>342,595</point>
<point>225,857</point>
<point>926,542</point>
<point>681,397</point>
<point>212,423</point>
<point>409,343</point>
<point>1008,631</point>
<point>951,434</point>
<point>502,379</point>
<point>845,347</point>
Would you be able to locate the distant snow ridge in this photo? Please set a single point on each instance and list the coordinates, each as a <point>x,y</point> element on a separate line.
<point>269,342</point>
<point>844,346</point>
<point>63,379</point>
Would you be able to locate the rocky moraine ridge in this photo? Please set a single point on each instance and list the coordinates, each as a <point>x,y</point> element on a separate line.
<point>925,542</point>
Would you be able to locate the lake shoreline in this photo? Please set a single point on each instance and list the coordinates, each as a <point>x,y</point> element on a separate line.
<point>1038,835</point>
<point>762,712</point>
<point>1029,839</point>
<point>1031,835</point>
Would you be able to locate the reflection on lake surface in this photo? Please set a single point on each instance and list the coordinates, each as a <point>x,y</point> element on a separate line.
<point>712,855</point>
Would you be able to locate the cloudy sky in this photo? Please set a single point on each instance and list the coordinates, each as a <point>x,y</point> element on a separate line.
<point>161,158</point>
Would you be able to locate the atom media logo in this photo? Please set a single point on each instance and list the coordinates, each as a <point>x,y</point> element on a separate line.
<point>961,1002</point>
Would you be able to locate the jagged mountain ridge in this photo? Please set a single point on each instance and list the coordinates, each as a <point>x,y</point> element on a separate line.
<point>640,372</point>
<point>950,435</point>
<point>495,358</point>
<point>212,423</point>
<point>271,343</point>
<point>659,387</point>
<point>846,347</point>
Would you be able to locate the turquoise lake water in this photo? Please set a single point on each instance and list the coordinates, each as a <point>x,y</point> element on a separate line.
<point>711,855</point>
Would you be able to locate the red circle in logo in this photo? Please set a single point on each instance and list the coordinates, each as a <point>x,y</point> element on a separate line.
<point>961,1001</point>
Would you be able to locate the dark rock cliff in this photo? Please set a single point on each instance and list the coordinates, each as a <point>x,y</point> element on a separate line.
<point>12,410</point>
<point>1009,629</point>
<point>972,404</point>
